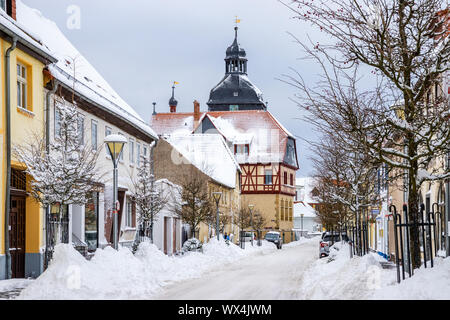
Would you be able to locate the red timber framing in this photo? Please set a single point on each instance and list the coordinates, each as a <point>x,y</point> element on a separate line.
<point>254,181</point>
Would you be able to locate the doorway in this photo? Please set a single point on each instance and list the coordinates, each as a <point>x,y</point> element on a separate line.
<point>17,236</point>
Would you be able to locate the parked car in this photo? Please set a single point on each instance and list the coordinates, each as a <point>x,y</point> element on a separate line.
<point>274,237</point>
<point>328,239</point>
<point>248,236</point>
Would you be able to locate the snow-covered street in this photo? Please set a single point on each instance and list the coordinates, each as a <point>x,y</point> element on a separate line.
<point>226,272</point>
<point>269,275</point>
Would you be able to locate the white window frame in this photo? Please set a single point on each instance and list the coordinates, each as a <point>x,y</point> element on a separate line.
<point>108,154</point>
<point>129,214</point>
<point>94,142</point>
<point>57,116</point>
<point>80,132</point>
<point>138,154</point>
<point>22,86</point>
<point>131,150</point>
<point>123,151</point>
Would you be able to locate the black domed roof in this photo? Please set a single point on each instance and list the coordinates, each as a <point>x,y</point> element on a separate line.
<point>173,102</point>
<point>235,89</point>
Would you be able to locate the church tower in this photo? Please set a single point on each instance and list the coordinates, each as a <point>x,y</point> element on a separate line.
<point>235,91</point>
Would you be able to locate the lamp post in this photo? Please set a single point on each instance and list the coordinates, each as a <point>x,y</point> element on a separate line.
<point>301,232</point>
<point>115,143</point>
<point>251,206</point>
<point>217,196</point>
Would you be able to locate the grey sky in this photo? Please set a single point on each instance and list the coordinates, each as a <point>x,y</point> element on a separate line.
<point>142,46</point>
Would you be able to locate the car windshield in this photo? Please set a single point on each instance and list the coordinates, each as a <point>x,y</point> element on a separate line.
<point>272,236</point>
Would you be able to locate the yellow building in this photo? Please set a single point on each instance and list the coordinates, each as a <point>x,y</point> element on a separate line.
<point>23,60</point>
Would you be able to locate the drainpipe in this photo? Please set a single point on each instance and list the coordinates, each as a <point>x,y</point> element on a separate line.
<point>47,147</point>
<point>8,153</point>
<point>446,213</point>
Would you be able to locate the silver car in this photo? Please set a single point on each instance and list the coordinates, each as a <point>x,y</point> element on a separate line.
<point>328,239</point>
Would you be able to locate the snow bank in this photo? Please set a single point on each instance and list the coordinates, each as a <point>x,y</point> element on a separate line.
<point>119,274</point>
<point>425,284</point>
<point>340,278</point>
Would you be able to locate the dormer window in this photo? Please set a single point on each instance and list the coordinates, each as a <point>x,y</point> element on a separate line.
<point>241,149</point>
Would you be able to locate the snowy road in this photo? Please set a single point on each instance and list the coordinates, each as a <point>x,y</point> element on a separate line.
<point>263,276</point>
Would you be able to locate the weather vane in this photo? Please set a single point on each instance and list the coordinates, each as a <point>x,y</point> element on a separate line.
<point>237,20</point>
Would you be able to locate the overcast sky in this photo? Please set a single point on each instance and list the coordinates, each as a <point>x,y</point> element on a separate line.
<point>140,47</point>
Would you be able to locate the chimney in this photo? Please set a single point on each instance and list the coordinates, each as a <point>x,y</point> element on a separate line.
<point>11,8</point>
<point>196,110</point>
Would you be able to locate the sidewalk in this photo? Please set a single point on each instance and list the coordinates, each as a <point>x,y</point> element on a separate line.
<point>9,289</point>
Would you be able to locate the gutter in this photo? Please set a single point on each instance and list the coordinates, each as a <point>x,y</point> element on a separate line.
<point>8,152</point>
<point>27,43</point>
<point>47,148</point>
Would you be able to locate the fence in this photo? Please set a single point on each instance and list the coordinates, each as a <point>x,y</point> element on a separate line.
<point>357,235</point>
<point>426,227</point>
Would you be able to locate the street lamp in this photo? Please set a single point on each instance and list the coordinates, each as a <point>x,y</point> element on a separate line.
<point>301,232</point>
<point>251,206</point>
<point>115,143</point>
<point>217,196</point>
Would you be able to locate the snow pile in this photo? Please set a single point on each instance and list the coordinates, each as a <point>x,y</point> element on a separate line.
<point>112,274</point>
<point>362,278</point>
<point>425,284</point>
<point>340,278</point>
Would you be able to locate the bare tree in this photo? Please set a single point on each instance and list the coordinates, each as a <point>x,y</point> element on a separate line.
<point>196,205</point>
<point>150,199</point>
<point>404,45</point>
<point>258,222</point>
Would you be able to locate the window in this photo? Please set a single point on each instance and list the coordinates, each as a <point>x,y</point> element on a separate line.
<point>241,149</point>
<point>130,214</point>
<point>145,151</point>
<point>108,132</point>
<point>285,178</point>
<point>234,107</point>
<point>282,211</point>
<point>22,86</point>
<point>292,179</point>
<point>3,5</point>
<point>94,135</point>
<point>138,156</point>
<point>121,154</point>
<point>80,128</point>
<point>268,176</point>
<point>131,151</point>
<point>57,122</point>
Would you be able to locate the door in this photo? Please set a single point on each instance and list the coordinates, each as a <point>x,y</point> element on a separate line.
<point>17,236</point>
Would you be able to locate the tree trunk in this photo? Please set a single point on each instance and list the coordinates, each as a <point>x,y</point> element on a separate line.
<point>413,216</point>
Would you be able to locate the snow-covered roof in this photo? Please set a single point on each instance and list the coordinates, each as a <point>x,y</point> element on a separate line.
<point>305,209</point>
<point>24,36</point>
<point>268,139</point>
<point>73,70</point>
<point>210,154</point>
